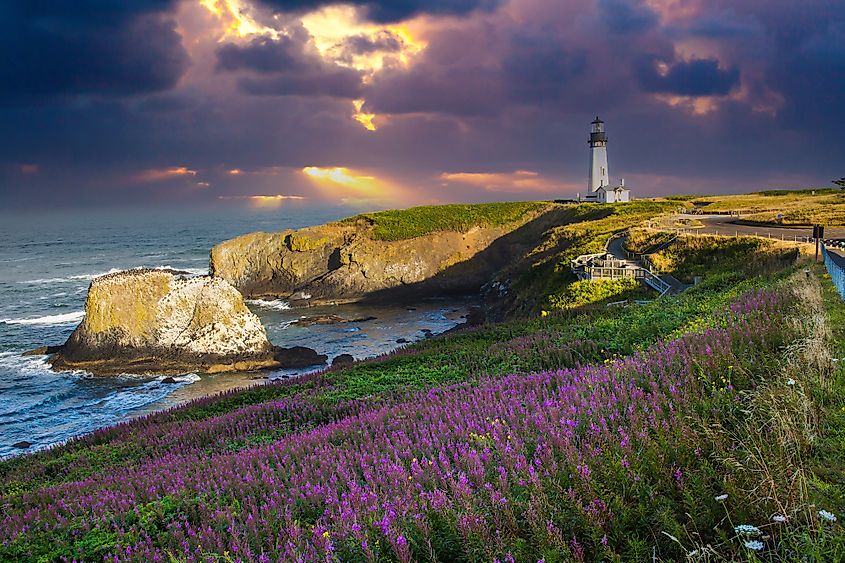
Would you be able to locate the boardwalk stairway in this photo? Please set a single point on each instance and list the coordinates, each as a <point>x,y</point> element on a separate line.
<point>617,263</point>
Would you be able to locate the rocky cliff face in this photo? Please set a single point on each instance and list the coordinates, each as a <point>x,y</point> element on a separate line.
<point>342,262</point>
<point>159,321</point>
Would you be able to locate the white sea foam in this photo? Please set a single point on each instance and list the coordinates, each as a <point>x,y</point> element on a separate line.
<point>44,281</point>
<point>89,277</point>
<point>63,319</point>
<point>275,304</point>
<point>95,275</point>
<point>187,378</point>
<point>25,364</point>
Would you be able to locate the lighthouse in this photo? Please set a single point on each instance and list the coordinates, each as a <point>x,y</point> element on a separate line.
<point>598,186</point>
<point>598,157</point>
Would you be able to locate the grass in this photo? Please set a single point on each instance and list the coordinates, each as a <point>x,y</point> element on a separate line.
<point>739,429</point>
<point>424,220</point>
<point>642,240</point>
<point>563,338</point>
<point>825,206</point>
<point>690,256</point>
<point>758,416</point>
<point>540,281</point>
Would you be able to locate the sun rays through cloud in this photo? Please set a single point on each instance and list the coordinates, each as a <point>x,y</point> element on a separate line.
<point>421,101</point>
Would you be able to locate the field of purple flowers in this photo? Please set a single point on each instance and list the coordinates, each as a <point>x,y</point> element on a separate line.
<point>606,461</point>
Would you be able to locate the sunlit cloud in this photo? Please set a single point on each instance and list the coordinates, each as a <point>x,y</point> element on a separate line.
<point>671,11</point>
<point>262,200</point>
<point>696,105</point>
<point>354,187</point>
<point>520,180</point>
<point>362,117</point>
<point>160,174</point>
<point>334,27</point>
<point>235,172</point>
<point>236,18</point>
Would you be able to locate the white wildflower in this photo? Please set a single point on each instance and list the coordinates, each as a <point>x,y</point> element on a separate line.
<point>827,515</point>
<point>779,518</point>
<point>790,381</point>
<point>747,530</point>
<point>721,498</point>
<point>754,544</point>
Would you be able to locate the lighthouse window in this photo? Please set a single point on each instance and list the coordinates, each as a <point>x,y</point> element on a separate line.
<point>602,171</point>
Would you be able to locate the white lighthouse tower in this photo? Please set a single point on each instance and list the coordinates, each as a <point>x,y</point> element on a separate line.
<point>598,186</point>
<point>598,158</point>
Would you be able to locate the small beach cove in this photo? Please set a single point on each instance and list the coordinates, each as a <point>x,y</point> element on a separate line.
<point>44,276</point>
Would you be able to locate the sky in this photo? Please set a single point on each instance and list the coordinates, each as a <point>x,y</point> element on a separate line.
<point>385,103</point>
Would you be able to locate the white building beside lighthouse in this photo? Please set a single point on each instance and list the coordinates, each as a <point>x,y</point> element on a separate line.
<point>598,186</point>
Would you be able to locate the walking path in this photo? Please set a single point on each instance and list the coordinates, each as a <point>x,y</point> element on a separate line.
<point>616,248</point>
<point>616,263</point>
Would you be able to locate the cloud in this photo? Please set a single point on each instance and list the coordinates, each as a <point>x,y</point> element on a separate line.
<point>88,47</point>
<point>160,174</point>
<point>267,55</point>
<point>697,77</point>
<point>711,96</point>
<point>520,180</point>
<point>811,78</point>
<point>726,26</point>
<point>384,41</point>
<point>540,69</point>
<point>626,16</point>
<point>338,83</point>
<point>389,11</point>
<point>287,66</point>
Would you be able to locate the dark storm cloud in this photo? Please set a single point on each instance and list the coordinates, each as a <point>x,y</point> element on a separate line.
<point>539,69</point>
<point>626,16</point>
<point>98,96</point>
<point>811,77</point>
<point>287,66</point>
<point>88,47</point>
<point>383,42</point>
<point>726,26</point>
<point>338,83</point>
<point>697,77</point>
<point>267,55</point>
<point>388,11</point>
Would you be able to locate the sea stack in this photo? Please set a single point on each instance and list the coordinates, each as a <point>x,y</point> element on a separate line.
<point>163,321</point>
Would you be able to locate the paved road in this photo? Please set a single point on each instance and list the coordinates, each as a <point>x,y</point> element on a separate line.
<point>725,225</point>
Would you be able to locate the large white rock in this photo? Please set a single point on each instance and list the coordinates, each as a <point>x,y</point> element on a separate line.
<point>164,321</point>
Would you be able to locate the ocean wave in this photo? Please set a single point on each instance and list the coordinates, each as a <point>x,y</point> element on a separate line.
<point>188,378</point>
<point>95,275</point>
<point>63,319</point>
<point>25,364</point>
<point>275,304</point>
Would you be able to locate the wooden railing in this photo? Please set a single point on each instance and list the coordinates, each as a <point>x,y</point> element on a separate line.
<point>635,272</point>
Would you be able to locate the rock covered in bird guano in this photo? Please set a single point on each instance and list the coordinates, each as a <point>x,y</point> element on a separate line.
<point>161,321</point>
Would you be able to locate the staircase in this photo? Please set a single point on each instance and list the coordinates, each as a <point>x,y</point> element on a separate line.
<point>617,263</point>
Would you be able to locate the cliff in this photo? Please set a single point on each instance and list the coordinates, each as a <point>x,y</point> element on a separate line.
<point>349,260</point>
<point>159,321</point>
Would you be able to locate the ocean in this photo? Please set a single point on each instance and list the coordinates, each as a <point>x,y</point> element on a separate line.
<point>48,259</point>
